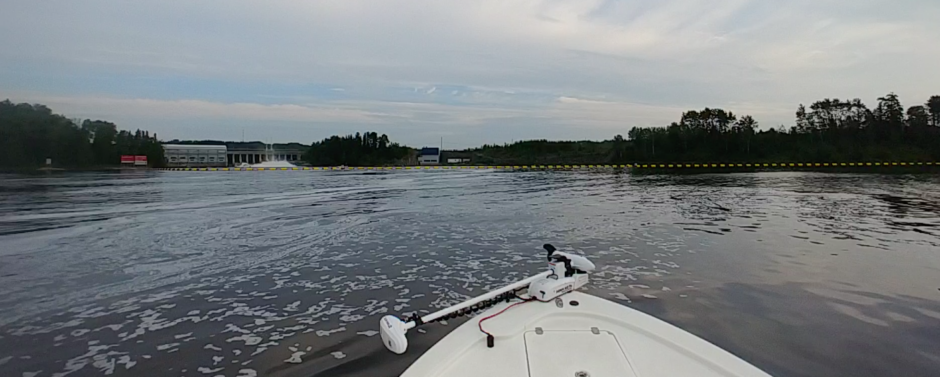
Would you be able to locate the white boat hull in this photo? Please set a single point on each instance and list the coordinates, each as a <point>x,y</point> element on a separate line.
<point>595,338</point>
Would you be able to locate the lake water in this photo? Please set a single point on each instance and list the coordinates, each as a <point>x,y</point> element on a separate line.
<point>287,273</point>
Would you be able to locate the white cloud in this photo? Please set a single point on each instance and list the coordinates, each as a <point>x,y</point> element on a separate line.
<point>176,109</point>
<point>586,63</point>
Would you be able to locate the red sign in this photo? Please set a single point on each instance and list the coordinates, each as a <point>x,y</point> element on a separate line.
<point>125,159</point>
<point>140,160</point>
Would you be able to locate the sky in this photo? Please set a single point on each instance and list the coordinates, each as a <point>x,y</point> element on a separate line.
<point>467,71</point>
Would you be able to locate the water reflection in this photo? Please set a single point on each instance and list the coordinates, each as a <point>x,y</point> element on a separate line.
<point>286,273</point>
<point>802,333</point>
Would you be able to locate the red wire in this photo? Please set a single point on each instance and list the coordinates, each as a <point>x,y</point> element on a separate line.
<point>480,324</point>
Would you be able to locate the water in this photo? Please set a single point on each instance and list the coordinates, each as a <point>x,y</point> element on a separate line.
<point>287,273</point>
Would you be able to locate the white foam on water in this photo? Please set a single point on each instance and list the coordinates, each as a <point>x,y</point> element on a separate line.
<point>338,355</point>
<point>295,357</point>
<point>210,346</point>
<point>258,351</point>
<point>113,327</point>
<point>217,359</point>
<point>207,370</point>
<point>126,361</point>
<point>264,328</point>
<point>167,346</point>
<point>620,296</point>
<point>77,363</point>
<point>247,373</point>
<point>235,352</point>
<point>249,339</point>
<point>279,336</point>
<point>328,332</point>
<point>649,296</point>
<point>5,360</point>
<point>160,297</point>
<point>351,317</point>
<point>292,307</point>
<point>181,336</point>
<point>128,308</point>
<point>368,333</point>
<point>229,327</point>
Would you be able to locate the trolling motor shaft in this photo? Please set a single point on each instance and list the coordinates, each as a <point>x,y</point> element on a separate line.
<point>567,273</point>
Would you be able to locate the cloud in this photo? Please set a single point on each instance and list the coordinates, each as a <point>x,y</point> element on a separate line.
<point>548,68</point>
<point>200,109</point>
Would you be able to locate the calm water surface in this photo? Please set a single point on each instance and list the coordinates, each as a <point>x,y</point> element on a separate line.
<point>287,273</point>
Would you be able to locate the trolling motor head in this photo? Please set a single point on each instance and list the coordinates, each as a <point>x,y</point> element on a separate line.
<point>550,249</point>
<point>574,264</point>
<point>393,332</point>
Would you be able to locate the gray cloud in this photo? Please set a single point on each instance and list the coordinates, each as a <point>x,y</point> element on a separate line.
<point>499,70</point>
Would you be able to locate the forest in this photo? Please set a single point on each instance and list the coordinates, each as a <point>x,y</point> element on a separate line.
<point>367,148</point>
<point>30,134</point>
<point>829,130</point>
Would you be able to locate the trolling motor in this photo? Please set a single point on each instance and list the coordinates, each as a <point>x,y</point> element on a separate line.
<point>566,273</point>
<point>569,272</point>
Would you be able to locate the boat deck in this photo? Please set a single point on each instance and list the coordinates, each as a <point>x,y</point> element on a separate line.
<point>581,336</point>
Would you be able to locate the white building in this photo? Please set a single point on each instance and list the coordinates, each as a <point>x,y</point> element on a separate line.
<point>429,156</point>
<point>183,155</point>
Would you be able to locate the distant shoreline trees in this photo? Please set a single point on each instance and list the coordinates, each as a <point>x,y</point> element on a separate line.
<point>829,130</point>
<point>368,148</point>
<point>30,134</point>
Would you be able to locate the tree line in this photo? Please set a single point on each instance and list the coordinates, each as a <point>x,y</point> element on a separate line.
<point>540,152</point>
<point>368,148</point>
<point>32,133</point>
<point>828,130</point>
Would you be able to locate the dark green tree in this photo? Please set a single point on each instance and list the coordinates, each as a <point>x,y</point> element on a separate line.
<point>30,134</point>
<point>368,148</point>
<point>933,107</point>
